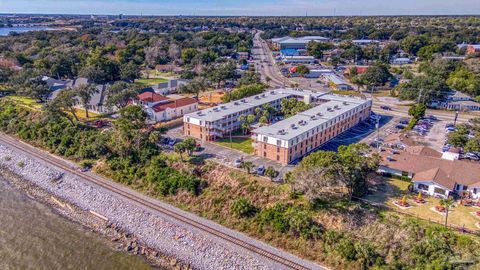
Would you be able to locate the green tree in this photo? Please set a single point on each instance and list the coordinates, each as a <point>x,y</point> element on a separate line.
<point>188,54</point>
<point>271,172</point>
<point>447,203</point>
<point>292,106</point>
<point>303,70</point>
<point>465,81</point>
<point>129,135</point>
<point>243,91</point>
<point>65,100</point>
<point>120,94</point>
<point>412,44</point>
<point>195,86</point>
<point>323,172</point>
<point>242,207</point>
<point>180,148</point>
<point>417,111</point>
<point>316,49</point>
<point>129,71</point>
<point>85,93</point>
<point>190,145</point>
<point>376,75</point>
<point>247,165</point>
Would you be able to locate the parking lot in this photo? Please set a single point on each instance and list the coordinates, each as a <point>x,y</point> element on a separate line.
<point>228,156</point>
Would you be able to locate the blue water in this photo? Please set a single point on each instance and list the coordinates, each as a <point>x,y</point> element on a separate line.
<point>6,30</point>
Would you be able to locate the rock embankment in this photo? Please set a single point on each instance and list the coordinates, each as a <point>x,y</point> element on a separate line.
<point>138,230</point>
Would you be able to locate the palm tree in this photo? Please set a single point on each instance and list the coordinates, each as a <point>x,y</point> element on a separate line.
<point>85,93</point>
<point>247,165</point>
<point>447,203</point>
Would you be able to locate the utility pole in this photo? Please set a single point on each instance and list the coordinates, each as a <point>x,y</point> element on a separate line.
<point>456,116</point>
<point>377,126</point>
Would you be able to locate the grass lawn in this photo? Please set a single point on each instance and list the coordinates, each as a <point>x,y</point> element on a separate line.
<point>394,189</point>
<point>25,101</point>
<point>150,82</point>
<point>92,116</point>
<point>155,73</point>
<point>242,144</point>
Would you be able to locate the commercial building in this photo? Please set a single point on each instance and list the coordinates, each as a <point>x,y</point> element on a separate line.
<point>287,140</point>
<point>300,59</point>
<point>296,43</point>
<point>299,135</point>
<point>336,82</point>
<point>456,101</point>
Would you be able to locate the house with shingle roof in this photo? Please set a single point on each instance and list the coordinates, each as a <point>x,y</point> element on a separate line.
<point>430,173</point>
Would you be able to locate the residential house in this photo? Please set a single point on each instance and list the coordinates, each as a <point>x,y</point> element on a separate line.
<point>365,42</point>
<point>165,88</point>
<point>430,173</point>
<point>165,108</point>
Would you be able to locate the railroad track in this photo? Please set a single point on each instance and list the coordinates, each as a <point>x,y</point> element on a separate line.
<point>106,184</point>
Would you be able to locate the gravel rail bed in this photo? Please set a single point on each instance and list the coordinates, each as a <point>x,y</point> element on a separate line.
<point>192,247</point>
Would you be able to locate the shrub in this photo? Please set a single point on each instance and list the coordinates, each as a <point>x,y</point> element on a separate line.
<point>243,208</point>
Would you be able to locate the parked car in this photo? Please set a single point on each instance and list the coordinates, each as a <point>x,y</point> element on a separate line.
<point>400,126</point>
<point>260,170</point>
<point>237,163</point>
<point>404,121</point>
<point>471,156</point>
<point>432,117</point>
<point>172,142</point>
<point>383,107</point>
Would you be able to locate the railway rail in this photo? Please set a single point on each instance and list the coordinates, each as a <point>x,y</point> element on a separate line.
<point>108,185</point>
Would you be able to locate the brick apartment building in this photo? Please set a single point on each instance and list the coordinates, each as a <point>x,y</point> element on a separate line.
<point>287,140</point>
<point>213,123</point>
<point>297,136</point>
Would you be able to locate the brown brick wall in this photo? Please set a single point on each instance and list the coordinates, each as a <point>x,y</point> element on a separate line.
<point>197,132</point>
<point>302,148</point>
<point>270,151</point>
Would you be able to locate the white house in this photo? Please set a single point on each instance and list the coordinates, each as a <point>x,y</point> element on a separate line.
<point>165,108</point>
<point>432,175</point>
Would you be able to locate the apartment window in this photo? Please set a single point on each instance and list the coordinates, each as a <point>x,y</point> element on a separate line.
<point>265,139</point>
<point>278,157</point>
<point>264,154</point>
<point>278,149</point>
<point>279,142</point>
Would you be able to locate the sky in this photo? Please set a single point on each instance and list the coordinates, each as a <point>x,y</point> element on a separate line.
<point>244,7</point>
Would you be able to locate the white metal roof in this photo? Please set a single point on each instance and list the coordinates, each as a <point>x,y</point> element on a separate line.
<point>307,120</point>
